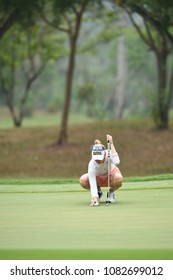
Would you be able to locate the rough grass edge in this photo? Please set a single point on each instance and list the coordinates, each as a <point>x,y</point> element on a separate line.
<point>35,181</point>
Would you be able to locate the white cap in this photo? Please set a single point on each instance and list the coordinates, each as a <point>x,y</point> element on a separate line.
<point>98,155</point>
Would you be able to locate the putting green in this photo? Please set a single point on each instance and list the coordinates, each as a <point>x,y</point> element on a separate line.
<point>56,222</point>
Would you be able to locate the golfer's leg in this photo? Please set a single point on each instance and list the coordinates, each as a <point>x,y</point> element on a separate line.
<point>84,181</point>
<point>116,181</point>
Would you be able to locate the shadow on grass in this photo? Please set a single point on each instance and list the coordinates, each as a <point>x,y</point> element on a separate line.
<point>86,254</point>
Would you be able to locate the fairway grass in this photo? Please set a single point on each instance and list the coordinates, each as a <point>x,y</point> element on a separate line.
<point>56,222</point>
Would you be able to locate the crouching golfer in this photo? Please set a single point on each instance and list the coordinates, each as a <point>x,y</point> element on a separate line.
<point>97,175</point>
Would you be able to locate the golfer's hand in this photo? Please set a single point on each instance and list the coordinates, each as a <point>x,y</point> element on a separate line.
<point>109,138</point>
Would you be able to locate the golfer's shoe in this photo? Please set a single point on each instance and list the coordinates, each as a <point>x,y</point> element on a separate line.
<point>110,197</point>
<point>100,194</point>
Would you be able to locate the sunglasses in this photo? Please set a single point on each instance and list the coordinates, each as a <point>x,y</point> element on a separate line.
<point>97,148</point>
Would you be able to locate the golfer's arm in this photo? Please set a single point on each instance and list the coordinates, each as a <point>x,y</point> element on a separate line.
<point>114,155</point>
<point>92,181</point>
<point>113,150</point>
<point>93,186</point>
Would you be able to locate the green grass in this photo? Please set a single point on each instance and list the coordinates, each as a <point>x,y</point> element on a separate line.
<point>42,119</point>
<point>45,181</point>
<point>49,221</point>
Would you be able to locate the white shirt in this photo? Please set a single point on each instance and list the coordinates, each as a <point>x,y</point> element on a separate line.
<point>100,169</point>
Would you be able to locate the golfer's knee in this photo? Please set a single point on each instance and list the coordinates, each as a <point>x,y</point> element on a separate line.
<point>83,181</point>
<point>117,181</point>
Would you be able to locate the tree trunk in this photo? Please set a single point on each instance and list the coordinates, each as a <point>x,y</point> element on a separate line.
<point>121,78</point>
<point>68,89</point>
<point>6,25</point>
<point>161,49</point>
<point>16,121</point>
<point>162,110</point>
<point>121,68</point>
<point>73,36</point>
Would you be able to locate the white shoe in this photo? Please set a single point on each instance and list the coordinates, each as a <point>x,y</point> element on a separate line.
<point>110,197</point>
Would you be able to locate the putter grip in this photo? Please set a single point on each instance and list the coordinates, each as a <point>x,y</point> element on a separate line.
<point>108,148</point>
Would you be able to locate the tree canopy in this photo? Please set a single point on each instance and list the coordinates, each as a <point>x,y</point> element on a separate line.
<point>152,21</point>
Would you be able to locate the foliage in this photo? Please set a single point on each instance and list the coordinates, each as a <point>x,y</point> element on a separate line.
<point>95,57</point>
<point>23,62</point>
<point>18,11</point>
<point>86,94</point>
<point>28,110</point>
<point>155,32</point>
<point>157,12</point>
<point>51,108</point>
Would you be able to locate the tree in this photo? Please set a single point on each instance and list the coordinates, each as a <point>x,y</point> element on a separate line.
<point>121,70</point>
<point>86,95</point>
<point>67,18</point>
<point>155,32</point>
<point>17,11</point>
<point>23,57</point>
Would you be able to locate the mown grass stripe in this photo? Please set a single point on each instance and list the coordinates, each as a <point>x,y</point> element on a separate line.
<point>76,188</point>
<point>28,181</point>
<point>84,254</point>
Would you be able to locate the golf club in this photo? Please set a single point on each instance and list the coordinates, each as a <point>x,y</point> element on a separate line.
<point>108,147</point>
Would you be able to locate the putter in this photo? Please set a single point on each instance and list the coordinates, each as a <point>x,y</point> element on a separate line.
<point>107,203</point>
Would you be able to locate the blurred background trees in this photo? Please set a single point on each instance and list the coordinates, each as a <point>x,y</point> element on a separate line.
<point>103,59</point>
<point>155,33</point>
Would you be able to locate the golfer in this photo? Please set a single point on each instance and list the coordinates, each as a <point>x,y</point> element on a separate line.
<point>97,175</point>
